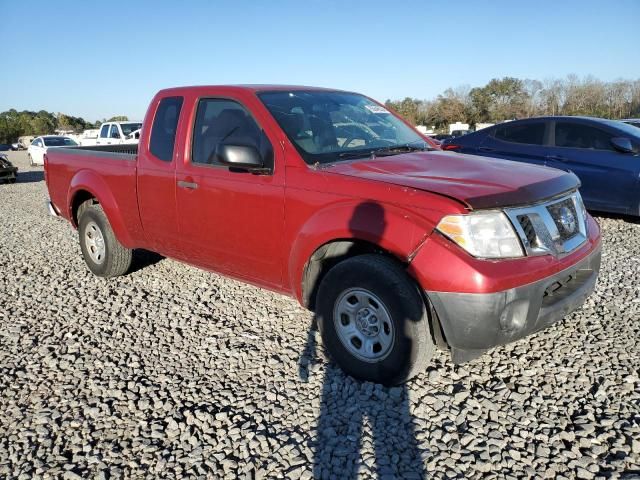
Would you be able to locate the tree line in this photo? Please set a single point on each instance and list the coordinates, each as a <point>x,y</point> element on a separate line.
<point>14,124</point>
<point>510,98</point>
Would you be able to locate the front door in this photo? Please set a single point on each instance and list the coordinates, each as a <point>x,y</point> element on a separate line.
<point>608,176</point>
<point>231,221</point>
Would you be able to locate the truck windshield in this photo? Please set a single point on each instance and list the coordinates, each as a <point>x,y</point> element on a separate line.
<point>326,127</point>
<point>127,128</point>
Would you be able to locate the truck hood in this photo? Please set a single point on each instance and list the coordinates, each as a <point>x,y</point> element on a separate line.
<point>478,182</point>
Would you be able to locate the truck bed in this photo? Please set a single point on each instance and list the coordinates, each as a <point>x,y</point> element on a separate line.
<point>109,168</point>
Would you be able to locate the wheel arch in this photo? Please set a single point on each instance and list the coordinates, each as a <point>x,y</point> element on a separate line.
<point>350,228</point>
<point>330,254</point>
<point>87,185</point>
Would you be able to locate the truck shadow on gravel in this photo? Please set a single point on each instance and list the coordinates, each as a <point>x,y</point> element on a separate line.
<point>142,259</point>
<point>363,428</point>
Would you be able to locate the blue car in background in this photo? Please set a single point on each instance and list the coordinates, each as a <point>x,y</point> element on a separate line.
<point>604,154</point>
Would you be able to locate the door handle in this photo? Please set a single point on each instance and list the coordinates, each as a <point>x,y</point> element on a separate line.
<point>190,185</point>
<point>486,149</point>
<point>558,158</point>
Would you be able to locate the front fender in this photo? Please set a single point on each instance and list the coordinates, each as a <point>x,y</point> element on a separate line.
<point>394,229</point>
<point>89,181</point>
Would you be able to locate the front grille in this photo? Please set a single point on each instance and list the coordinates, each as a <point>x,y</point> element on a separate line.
<point>565,217</point>
<point>557,227</point>
<point>529,230</point>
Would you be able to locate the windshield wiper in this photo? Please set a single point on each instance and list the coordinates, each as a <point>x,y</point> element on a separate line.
<point>391,150</point>
<point>359,154</point>
<point>404,148</point>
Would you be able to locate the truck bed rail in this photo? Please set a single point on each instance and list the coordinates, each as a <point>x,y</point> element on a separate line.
<point>122,152</point>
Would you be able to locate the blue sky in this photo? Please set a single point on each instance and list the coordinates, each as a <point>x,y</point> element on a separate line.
<point>98,59</point>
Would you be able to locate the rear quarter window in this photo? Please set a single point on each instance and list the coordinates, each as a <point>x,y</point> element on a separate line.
<point>530,133</point>
<point>163,130</point>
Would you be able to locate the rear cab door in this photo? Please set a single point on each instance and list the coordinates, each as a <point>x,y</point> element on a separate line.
<point>609,177</point>
<point>231,220</point>
<point>519,141</point>
<point>157,159</point>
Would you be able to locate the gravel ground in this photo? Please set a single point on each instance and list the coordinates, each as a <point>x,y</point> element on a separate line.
<point>175,372</point>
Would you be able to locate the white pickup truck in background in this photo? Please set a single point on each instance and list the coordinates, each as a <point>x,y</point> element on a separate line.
<point>115,133</point>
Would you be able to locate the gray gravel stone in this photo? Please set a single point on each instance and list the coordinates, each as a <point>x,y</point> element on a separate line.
<point>173,372</point>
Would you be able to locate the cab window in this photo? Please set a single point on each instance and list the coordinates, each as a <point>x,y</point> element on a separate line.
<point>163,130</point>
<point>575,135</point>
<point>104,131</point>
<point>114,131</point>
<point>226,122</point>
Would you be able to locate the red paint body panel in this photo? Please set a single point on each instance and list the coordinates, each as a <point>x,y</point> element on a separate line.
<point>480,182</point>
<point>264,228</point>
<point>112,181</point>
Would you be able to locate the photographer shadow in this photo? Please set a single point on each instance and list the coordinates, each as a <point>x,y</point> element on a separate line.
<point>363,428</point>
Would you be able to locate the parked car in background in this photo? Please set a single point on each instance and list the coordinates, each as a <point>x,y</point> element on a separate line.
<point>441,137</point>
<point>88,137</point>
<point>117,133</point>
<point>459,133</point>
<point>5,147</point>
<point>604,154</point>
<point>632,121</point>
<point>41,144</point>
<point>8,172</point>
<point>329,197</point>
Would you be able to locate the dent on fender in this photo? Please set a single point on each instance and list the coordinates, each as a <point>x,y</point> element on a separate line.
<point>398,231</point>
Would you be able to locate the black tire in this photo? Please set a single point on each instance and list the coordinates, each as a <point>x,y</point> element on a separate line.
<point>116,259</point>
<point>12,180</point>
<point>412,346</point>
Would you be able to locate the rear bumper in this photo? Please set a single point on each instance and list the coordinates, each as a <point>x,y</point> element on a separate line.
<point>475,322</point>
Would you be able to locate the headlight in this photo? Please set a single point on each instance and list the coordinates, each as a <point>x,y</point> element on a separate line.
<point>483,234</point>
<point>580,206</point>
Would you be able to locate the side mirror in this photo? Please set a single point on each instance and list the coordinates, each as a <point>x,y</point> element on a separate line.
<point>622,144</point>
<point>241,157</point>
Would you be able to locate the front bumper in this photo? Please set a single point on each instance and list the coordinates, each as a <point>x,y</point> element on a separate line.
<point>475,322</point>
<point>52,209</point>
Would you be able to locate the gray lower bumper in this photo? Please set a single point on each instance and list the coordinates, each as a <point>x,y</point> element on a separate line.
<point>475,322</point>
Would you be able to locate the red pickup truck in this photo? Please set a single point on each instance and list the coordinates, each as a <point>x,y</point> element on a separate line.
<point>329,197</point>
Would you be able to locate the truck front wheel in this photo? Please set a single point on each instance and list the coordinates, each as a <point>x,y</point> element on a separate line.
<point>373,320</point>
<point>103,254</point>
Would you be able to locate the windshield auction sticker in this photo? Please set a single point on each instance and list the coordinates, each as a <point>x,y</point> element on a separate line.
<point>376,109</point>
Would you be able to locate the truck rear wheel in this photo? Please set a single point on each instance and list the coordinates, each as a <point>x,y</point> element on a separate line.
<point>103,254</point>
<point>374,321</point>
